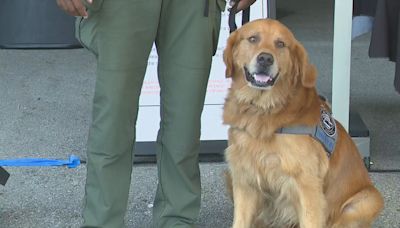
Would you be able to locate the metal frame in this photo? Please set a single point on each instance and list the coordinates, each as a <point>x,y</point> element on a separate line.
<point>342,61</point>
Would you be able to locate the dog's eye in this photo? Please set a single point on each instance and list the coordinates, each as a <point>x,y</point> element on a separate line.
<point>253,39</point>
<point>280,44</point>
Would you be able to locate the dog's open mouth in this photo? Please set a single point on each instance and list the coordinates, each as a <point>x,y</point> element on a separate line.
<point>260,80</point>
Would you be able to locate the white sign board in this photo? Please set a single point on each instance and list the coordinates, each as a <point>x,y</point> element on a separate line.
<point>212,127</point>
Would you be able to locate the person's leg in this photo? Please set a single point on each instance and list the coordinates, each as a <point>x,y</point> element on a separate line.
<point>185,44</point>
<point>120,33</point>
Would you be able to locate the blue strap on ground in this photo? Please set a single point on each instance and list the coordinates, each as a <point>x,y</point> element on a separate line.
<point>73,162</point>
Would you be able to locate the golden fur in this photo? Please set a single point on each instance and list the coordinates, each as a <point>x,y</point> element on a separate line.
<point>286,180</point>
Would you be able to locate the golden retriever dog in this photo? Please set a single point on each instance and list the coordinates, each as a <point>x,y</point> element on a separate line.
<point>280,178</point>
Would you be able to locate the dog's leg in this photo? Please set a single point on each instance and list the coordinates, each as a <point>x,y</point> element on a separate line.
<point>312,207</point>
<point>360,210</point>
<point>246,205</point>
<point>228,183</point>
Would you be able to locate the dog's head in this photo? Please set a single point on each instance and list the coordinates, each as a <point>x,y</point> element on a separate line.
<point>264,58</point>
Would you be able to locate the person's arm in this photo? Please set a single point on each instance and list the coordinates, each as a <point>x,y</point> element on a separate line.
<point>74,7</point>
<point>243,4</point>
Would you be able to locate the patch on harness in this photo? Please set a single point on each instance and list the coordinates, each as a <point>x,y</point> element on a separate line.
<point>327,123</point>
<point>326,132</point>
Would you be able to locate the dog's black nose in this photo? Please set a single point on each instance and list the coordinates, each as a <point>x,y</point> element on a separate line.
<point>265,59</point>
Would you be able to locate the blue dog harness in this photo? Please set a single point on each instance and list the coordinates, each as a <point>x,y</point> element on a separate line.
<point>325,132</point>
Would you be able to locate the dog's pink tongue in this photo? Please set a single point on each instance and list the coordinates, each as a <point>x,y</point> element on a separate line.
<point>262,77</point>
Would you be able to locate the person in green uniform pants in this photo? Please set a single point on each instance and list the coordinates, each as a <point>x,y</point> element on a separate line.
<point>120,33</point>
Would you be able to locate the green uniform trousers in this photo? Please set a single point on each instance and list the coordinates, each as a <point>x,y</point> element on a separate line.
<point>120,33</point>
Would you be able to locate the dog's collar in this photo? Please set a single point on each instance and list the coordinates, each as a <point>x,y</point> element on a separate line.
<point>325,132</point>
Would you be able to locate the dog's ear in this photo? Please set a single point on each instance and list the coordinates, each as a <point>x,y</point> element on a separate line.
<point>306,71</point>
<point>228,55</point>
<point>309,77</point>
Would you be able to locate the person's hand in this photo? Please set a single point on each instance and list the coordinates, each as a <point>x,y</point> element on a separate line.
<point>74,7</point>
<point>243,4</point>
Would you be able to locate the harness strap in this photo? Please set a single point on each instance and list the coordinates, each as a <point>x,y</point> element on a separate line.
<point>297,130</point>
<point>324,132</point>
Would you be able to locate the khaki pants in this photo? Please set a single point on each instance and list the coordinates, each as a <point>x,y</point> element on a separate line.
<point>120,33</point>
